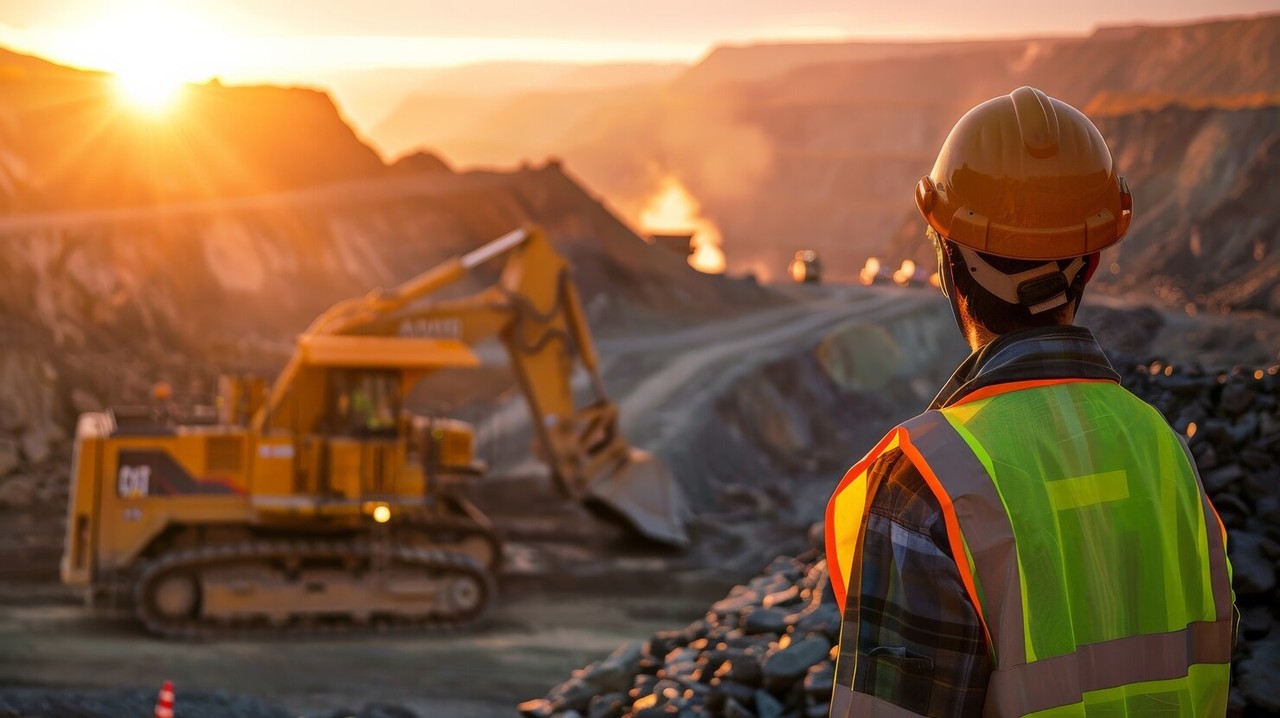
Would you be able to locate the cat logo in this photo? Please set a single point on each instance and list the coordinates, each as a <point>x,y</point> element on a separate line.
<point>134,482</point>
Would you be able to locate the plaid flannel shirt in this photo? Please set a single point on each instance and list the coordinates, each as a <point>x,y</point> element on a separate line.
<point>920,643</point>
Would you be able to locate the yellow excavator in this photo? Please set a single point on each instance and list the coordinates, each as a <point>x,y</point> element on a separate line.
<point>322,504</point>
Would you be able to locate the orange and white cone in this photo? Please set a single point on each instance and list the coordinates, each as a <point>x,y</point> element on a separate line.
<point>164,704</point>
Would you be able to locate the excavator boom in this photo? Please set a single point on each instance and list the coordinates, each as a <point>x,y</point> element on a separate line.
<point>545,332</point>
<point>535,311</point>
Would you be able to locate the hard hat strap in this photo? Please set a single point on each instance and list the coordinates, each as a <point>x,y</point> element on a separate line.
<point>1039,288</point>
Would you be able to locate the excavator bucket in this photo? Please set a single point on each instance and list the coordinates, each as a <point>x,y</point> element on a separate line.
<point>645,494</point>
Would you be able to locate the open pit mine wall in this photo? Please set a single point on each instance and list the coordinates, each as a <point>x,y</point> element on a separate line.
<point>849,139</point>
<point>762,444</point>
<point>807,409</point>
<point>819,146</point>
<point>1206,230</point>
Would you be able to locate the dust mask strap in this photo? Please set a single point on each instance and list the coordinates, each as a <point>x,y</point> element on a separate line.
<point>1038,289</point>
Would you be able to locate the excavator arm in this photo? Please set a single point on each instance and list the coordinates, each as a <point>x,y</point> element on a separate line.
<point>535,311</point>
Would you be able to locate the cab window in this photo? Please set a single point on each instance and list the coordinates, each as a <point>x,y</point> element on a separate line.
<point>364,403</point>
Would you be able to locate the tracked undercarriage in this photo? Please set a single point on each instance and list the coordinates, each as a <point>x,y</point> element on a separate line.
<point>299,587</point>
<point>432,571</point>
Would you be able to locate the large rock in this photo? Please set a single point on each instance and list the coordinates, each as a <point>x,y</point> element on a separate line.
<point>785,666</point>
<point>84,401</point>
<point>1255,573</point>
<point>36,446</point>
<point>1257,675</point>
<point>743,666</point>
<point>824,619</point>
<point>608,705</point>
<point>767,706</point>
<point>30,398</point>
<point>1220,479</point>
<point>615,673</point>
<point>8,455</point>
<point>819,682</point>
<point>1237,396</point>
<point>17,492</point>
<point>765,620</point>
<point>1255,622</point>
<point>13,413</point>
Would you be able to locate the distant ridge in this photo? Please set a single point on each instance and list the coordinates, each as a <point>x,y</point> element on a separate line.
<point>1107,104</point>
<point>67,140</point>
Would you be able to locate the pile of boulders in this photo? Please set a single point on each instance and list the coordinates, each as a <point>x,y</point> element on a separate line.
<point>1231,419</point>
<point>31,433</point>
<point>25,482</point>
<point>767,650</point>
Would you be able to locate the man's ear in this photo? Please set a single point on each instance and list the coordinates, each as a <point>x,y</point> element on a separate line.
<point>1091,265</point>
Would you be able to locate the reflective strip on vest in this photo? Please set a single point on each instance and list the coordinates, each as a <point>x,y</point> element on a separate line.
<point>847,509</point>
<point>848,703</point>
<point>1038,556</point>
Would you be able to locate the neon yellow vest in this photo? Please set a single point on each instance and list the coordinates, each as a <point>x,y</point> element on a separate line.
<point>1097,565</point>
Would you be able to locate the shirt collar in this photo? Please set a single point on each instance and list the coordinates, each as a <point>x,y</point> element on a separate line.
<point>1059,352</point>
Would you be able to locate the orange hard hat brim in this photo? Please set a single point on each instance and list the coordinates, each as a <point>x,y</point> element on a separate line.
<point>964,226</point>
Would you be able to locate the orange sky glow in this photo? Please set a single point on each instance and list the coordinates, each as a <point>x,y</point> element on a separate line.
<point>275,40</point>
<point>154,46</point>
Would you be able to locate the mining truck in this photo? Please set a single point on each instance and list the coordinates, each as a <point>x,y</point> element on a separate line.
<point>320,503</point>
<point>805,267</point>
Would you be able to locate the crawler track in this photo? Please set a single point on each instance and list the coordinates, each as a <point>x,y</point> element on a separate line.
<point>463,599</point>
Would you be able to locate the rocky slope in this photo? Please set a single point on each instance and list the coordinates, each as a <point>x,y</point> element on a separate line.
<point>1206,235</point>
<point>106,306</point>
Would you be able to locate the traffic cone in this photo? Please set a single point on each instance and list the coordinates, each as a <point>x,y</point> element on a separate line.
<point>164,704</point>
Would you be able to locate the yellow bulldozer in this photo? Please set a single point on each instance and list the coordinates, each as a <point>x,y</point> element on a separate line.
<point>321,503</point>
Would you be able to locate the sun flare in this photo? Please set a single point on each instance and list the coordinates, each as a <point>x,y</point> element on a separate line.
<point>152,48</point>
<point>150,91</point>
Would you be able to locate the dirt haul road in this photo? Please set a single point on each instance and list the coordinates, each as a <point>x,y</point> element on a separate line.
<point>544,627</point>
<point>689,368</point>
<point>48,641</point>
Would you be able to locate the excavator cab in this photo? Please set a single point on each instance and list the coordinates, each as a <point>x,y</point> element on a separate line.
<point>363,403</point>
<point>366,438</point>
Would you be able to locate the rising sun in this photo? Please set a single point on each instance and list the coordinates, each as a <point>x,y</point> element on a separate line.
<point>148,90</point>
<point>152,48</point>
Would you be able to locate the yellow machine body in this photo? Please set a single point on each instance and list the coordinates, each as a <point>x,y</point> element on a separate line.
<point>323,498</point>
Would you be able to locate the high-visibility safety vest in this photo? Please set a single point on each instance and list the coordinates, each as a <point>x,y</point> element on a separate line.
<point>1096,563</point>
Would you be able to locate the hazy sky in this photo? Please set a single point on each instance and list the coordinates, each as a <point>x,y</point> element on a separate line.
<point>263,38</point>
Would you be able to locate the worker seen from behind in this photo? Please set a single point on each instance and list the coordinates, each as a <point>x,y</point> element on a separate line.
<point>1036,543</point>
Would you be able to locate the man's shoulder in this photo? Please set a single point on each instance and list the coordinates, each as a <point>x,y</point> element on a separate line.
<point>902,495</point>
